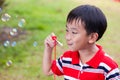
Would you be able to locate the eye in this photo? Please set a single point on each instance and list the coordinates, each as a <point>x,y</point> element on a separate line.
<point>67,30</point>
<point>74,32</point>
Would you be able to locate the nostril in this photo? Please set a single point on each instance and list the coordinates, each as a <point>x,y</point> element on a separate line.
<point>68,37</point>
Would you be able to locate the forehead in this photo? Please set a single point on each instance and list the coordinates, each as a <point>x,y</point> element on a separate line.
<point>75,24</point>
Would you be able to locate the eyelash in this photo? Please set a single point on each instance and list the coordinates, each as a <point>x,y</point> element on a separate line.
<point>72,32</point>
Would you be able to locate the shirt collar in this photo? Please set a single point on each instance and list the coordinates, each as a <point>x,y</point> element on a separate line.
<point>94,62</point>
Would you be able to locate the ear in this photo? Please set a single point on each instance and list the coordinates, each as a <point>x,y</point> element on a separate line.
<point>93,37</point>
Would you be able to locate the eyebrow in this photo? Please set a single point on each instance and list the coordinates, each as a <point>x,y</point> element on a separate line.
<point>71,28</point>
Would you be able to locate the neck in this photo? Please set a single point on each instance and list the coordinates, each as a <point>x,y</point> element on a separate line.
<point>87,54</point>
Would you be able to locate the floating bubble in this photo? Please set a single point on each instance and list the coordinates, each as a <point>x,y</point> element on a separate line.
<point>5,17</point>
<point>13,32</point>
<point>0,9</point>
<point>35,44</point>
<point>13,44</point>
<point>6,43</point>
<point>21,22</point>
<point>9,63</point>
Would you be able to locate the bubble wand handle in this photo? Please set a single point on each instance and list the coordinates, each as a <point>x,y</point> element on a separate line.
<point>55,42</point>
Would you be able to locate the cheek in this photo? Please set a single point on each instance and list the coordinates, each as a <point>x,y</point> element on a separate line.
<point>77,39</point>
<point>66,37</point>
<point>80,41</point>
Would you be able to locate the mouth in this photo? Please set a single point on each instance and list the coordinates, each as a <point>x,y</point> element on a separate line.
<point>70,44</point>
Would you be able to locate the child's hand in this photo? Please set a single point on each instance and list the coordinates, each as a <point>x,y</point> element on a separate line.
<point>50,42</point>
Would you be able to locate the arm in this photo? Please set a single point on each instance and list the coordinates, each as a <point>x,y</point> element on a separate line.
<point>47,57</point>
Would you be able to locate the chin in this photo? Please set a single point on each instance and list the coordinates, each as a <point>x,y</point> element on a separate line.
<point>72,49</point>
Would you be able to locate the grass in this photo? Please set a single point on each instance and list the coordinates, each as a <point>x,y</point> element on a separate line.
<point>43,17</point>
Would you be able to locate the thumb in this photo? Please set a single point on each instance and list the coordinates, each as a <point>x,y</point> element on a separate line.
<point>53,36</point>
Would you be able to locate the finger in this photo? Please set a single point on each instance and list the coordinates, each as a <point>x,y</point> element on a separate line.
<point>53,36</point>
<point>50,41</point>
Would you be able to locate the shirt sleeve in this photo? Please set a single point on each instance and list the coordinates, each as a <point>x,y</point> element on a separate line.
<point>57,67</point>
<point>113,74</point>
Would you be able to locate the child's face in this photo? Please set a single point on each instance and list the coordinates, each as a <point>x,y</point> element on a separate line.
<point>76,36</point>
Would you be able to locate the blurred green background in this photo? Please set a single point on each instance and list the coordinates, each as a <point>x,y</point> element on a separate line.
<point>41,18</point>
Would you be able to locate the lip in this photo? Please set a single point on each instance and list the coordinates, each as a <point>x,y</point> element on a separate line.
<point>70,44</point>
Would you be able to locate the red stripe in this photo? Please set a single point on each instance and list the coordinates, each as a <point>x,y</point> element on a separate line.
<point>71,72</point>
<point>55,69</point>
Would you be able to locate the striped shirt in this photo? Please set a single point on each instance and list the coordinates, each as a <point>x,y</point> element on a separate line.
<point>100,67</point>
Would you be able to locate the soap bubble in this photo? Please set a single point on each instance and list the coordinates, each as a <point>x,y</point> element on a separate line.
<point>13,43</point>
<point>6,43</point>
<point>13,32</point>
<point>0,9</point>
<point>9,63</point>
<point>5,17</point>
<point>35,43</point>
<point>21,22</point>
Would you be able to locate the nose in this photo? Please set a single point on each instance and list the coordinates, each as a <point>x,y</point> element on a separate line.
<point>68,37</point>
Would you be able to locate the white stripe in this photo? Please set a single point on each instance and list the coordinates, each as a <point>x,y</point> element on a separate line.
<point>116,70</point>
<point>67,59</point>
<point>94,70</point>
<point>85,65</point>
<point>59,67</point>
<point>71,66</point>
<point>70,78</point>
<point>105,65</point>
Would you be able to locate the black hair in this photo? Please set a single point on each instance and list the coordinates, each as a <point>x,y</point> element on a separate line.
<point>93,18</point>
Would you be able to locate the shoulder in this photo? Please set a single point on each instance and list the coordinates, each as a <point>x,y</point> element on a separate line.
<point>66,54</point>
<point>109,62</point>
<point>111,68</point>
<point>69,53</point>
<point>105,59</point>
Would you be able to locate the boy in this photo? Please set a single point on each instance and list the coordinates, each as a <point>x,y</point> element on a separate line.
<point>85,60</point>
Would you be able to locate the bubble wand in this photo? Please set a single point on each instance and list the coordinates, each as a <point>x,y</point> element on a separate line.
<point>54,38</point>
<point>55,43</point>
